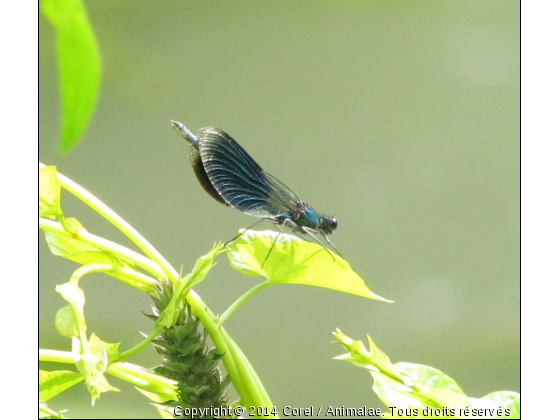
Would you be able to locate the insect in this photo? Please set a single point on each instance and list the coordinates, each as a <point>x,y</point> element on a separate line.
<point>227,172</point>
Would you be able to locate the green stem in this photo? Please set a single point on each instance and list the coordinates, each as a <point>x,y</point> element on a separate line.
<point>239,301</point>
<point>143,343</point>
<point>47,355</point>
<point>103,243</point>
<point>121,224</point>
<point>92,268</point>
<point>244,378</point>
<point>238,368</point>
<point>256,389</point>
<point>127,275</point>
<point>247,384</point>
<point>127,371</point>
<point>139,376</point>
<point>134,278</point>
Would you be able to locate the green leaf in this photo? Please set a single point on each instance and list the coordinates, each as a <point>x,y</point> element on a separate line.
<point>79,251</point>
<point>79,65</point>
<point>93,356</point>
<point>436,389</point>
<point>157,396</point>
<point>45,412</point>
<point>374,359</point>
<point>113,353</point>
<point>294,261</point>
<point>53,383</point>
<point>428,378</point>
<point>65,322</point>
<point>160,397</point>
<point>77,299</point>
<point>93,363</point>
<point>498,405</point>
<point>204,264</point>
<point>49,193</point>
<point>426,390</point>
<point>170,314</point>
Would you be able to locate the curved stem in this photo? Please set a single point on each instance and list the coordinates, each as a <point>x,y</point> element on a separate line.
<point>143,343</point>
<point>103,243</point>
<point>246,381</point>
<point>121,224</point>
<point>92,268</point>
<point>244,378</point>
<point>256,388</point>
<point>239,301</point>
<point>127,275</point>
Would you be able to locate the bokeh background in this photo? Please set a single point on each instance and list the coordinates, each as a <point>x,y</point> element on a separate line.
<point>400,118</point>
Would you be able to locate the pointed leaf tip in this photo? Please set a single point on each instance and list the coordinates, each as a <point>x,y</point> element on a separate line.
<point>283,258</point>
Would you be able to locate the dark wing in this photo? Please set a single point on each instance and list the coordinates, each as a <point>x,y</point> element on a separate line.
<point>198,167</point>
<point>239,180</point>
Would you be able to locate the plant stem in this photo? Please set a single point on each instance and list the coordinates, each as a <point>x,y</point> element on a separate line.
<point>246,382</point>
<point>46,355</point>
<point>127,371</point>
<point>121,224</point>
<point>103,243</point>
<point>127,275</point>
<point>143,343</point>
<point>239,301</point>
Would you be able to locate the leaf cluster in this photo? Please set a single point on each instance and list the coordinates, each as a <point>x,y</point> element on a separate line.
<point>415,391</point>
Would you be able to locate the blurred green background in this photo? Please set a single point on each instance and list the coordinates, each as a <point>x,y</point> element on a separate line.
<point>400,118</point>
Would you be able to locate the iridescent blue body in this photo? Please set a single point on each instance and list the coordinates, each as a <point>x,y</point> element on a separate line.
<point>227,172</point>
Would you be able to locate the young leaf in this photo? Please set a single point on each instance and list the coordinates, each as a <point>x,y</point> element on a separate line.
<point>65,322</point>
<point>45,412</point>
<point>404,384</point>
<point>77,299</point>
<point>435,389</point>
<point>500,405</point>
<point>113,353</point>
<point>92,357</point>
<point>204,264</point>
<point>49,193</point>
<point>427,390</point>
<point>93,363</point>
<point>294,261</point>
<point>161,397</point>
<point>79,66</point>
<point>53,383</point>
<point>170,314</point>
<point>79,251</point>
